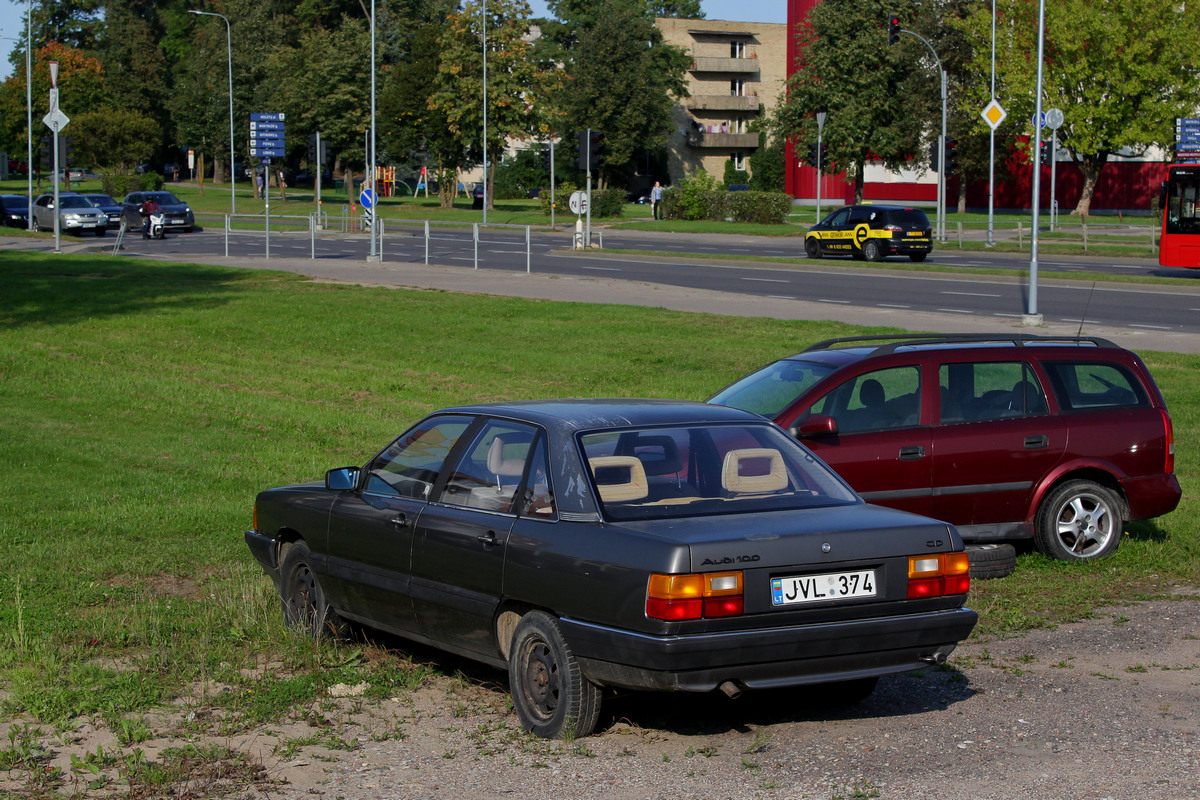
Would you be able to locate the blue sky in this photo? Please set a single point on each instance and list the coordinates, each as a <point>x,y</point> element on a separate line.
<point>11,15</point>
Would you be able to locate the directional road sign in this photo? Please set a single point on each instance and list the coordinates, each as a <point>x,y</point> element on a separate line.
<point>267,117</point>
<point>367,198</point>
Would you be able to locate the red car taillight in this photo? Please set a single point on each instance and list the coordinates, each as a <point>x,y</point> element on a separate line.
<point>938,575</point>
<point>1169,429</point>
<point>709,594</point>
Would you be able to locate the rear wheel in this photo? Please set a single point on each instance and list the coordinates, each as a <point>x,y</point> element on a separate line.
<point>812,248</point>
<point>872,251</point>
<point>550,694</point>
<point>304,605</point>
<point>991,560</point>
<point>1078,521</point>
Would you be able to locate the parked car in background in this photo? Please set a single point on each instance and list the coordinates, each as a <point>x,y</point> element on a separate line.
<point>108,205</point>
<point>1058,439</point>
<point>15,210</point>
<point>76,215</point>
<point>633,544</point>
<point>871,232</point>
<point>178,213</point>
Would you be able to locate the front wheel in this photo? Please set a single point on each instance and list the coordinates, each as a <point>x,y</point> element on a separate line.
<point>812,248</point>
<point>1079,521</point>
<point>550,694</point>
<point>304,605</point>
<point>872,251</point>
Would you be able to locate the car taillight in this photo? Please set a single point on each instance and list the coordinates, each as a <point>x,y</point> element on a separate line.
<point>938,574</point>
<point>1169,464</point>
<point>896,228</point>
<point>709,594</point>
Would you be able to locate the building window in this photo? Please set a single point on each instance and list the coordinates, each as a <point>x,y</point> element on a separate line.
<point>737,87</point>
<point>739,161</point>
<point>737,49</point>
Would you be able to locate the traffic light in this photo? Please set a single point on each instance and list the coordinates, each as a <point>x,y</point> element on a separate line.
<point>934,159</point>
<point>951,156</point>
<point>47,157</point>
<point>68,151</point>
<point>823,160</point>
<point>581,150</point>
<point>323,155</point>
<point>893,29</point>
<point>1045,154</point>
<point>596,149</point>
<point>813,155</point>
<point>545,154</point>
<point>312,148</point>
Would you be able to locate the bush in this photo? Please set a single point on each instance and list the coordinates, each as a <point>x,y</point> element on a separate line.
<point>767,208</point>
<point>561,195</point>
<point>735,177</point>
<point>605,202</point>
<point>117,186</point>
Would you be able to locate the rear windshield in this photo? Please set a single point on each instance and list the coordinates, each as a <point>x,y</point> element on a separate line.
<point>1095,385</point>
<point>773,388</point>
<point>908,217</point>
<point>693,470</point>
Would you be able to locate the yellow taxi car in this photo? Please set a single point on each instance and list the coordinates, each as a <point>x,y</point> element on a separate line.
<point>871,232</point>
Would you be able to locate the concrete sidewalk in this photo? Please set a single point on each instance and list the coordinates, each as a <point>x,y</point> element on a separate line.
<point>622,292</point>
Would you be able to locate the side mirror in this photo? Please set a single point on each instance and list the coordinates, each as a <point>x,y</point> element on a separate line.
<point>342,479</point>
<point>815,426</point>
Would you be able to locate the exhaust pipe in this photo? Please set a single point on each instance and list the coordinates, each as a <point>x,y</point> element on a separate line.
<point>731,690</point>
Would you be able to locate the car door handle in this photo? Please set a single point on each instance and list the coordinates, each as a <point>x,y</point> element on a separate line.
<point>488,538</point>
<point>401,521</point>
<point>912,453</point>
<point>1037,442</point>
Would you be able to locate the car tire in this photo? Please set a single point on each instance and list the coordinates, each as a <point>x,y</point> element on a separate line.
<point>37,226</point>
<point>812,248</point>
<point>101,231</point>
<point>872,251</point>
<point>991,560</point>
<point>918,257</point>
<point>550,694</point>
<point>1079,521</point>
<point>305,607</point>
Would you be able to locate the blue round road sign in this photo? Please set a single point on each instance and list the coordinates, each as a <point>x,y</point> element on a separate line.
<point>367,198</point>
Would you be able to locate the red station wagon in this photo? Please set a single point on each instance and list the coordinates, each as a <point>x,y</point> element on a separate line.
<point>1058,439</point>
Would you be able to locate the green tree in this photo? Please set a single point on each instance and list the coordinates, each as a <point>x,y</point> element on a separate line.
<point>114,139</point>
<point>514,82</point>
<point>620,79</point>
<point>413,128</point>
<point>879,99</point>
<point>1120,70</point>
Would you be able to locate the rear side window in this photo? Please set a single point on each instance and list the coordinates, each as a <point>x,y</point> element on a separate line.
<point>985,390</point>
<point>1094,385</point>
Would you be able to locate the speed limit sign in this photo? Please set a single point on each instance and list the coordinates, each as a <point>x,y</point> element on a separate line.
<point>578,202</point>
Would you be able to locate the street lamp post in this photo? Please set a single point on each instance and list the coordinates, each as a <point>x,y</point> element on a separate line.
<point>941,191</point>
<point>29,109</point>
<point>232,159</point>
<point>483,14</point>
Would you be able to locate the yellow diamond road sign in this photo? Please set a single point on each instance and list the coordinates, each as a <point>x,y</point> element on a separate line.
<point>993,114</point>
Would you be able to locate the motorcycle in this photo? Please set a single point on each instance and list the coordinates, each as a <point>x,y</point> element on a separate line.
<point>157,227</point>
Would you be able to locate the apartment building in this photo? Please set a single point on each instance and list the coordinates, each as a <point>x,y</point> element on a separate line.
<point>736,75</point>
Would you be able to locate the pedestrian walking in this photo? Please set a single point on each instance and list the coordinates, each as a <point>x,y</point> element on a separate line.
<point>656,195</point>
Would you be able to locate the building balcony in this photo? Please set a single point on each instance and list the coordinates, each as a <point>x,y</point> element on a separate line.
<point>741,66</point>
<point>722,102</point>
<point>725,141</point>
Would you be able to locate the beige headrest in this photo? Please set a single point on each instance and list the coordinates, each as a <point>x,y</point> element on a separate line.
<point>769,474</point>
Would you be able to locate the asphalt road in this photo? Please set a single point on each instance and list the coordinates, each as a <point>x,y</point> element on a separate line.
<point>1165,317</point>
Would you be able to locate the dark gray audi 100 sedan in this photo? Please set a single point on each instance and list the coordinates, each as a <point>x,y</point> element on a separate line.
<point>634,544</point>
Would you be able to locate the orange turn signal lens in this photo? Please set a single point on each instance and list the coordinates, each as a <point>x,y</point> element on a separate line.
<point>938,575</point>
<point>678,597</point>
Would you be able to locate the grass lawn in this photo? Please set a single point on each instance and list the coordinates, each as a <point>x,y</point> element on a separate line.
<point>142,406</point>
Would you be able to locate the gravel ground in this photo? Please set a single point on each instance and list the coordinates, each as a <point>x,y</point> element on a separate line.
<point>1105,708</point>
